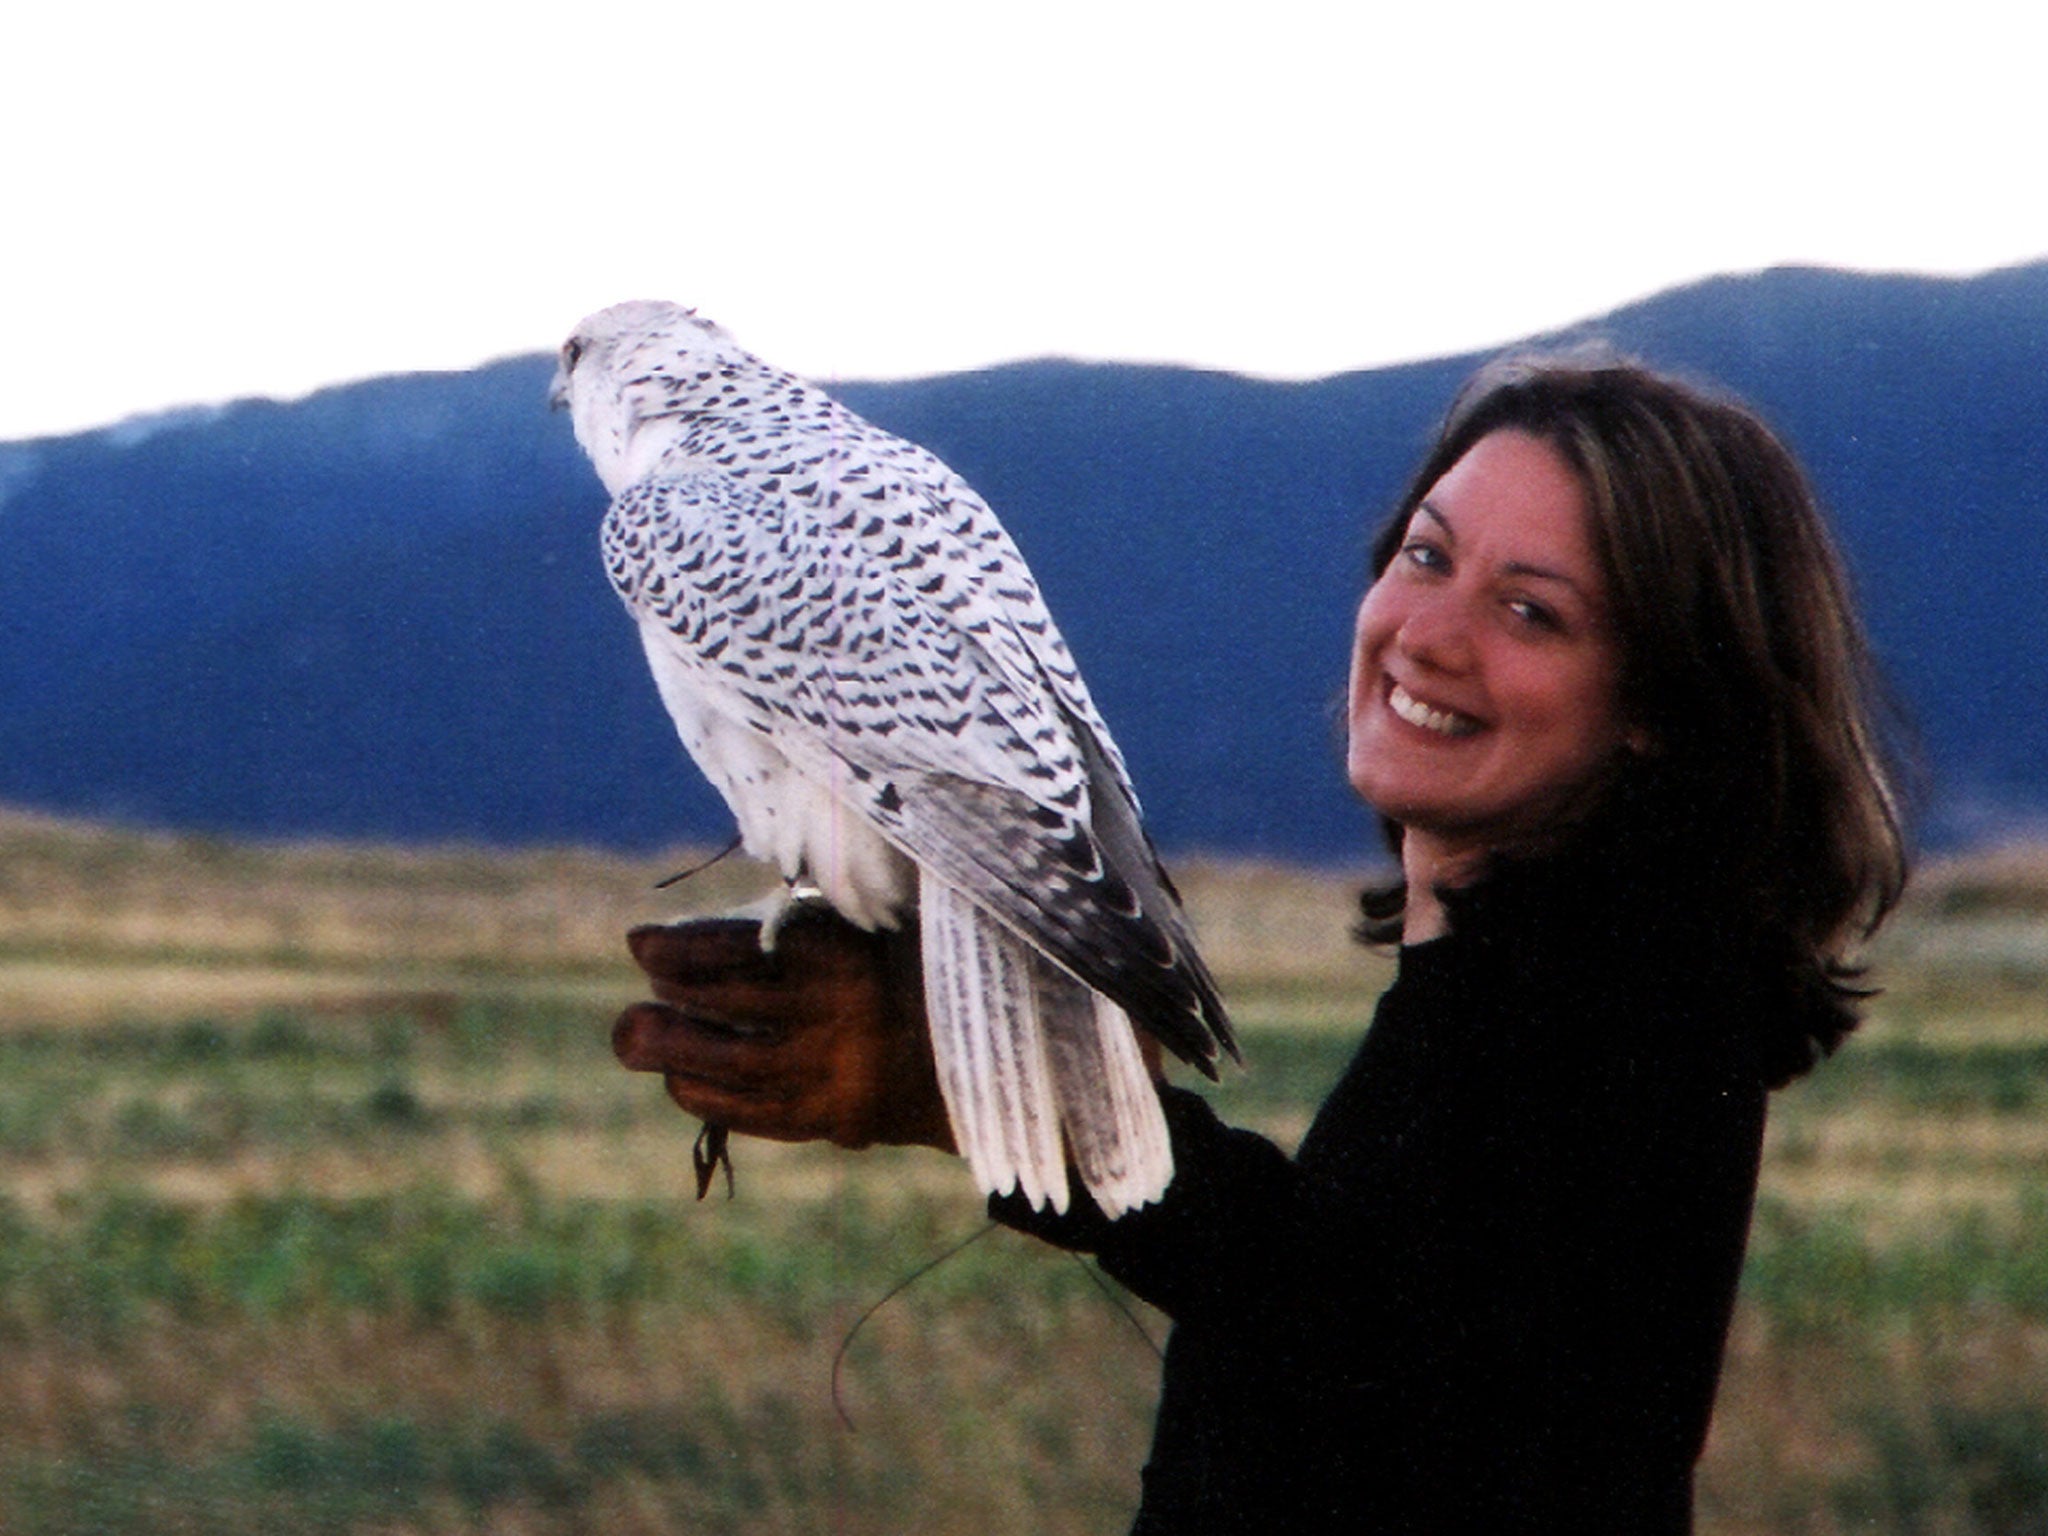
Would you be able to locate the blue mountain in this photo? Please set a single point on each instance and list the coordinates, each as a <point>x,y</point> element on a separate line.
<point>378,611</point>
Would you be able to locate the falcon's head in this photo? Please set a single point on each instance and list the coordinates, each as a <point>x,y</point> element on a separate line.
<point>626,366</point>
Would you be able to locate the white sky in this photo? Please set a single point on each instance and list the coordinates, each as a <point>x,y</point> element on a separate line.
<point>209,200</point>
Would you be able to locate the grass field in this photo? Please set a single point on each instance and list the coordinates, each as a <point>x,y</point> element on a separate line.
<point>325,1209</point>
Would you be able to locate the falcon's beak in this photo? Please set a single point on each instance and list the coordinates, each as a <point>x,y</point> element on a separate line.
<point>558,388</point>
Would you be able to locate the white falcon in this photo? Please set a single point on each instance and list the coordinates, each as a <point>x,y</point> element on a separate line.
<point>857,658</point>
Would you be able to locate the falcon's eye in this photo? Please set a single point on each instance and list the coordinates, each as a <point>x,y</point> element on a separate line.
<point>572,349</point>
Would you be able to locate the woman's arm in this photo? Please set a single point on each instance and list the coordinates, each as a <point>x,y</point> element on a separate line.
<point>823,1038</point>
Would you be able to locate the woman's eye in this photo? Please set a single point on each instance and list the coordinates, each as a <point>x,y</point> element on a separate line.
<point>1424,555</point>
<point>1533,614</point>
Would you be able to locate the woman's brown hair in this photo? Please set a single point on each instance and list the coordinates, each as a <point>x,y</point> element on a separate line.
<point>1768,775</point>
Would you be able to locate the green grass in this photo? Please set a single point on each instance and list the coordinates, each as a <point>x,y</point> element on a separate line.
<point>1822,1273</point>
<point>1967,1077</point>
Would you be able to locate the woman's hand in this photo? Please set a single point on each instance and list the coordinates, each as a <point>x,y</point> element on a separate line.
<point>822,1038</point>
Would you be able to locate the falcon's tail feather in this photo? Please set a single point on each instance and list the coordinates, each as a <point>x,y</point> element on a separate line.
<point>989,1050</point>
<point>1109,1107</point>
<point>1025,1051</point>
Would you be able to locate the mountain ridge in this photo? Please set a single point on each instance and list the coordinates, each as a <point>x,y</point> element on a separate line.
<point>378,611</point>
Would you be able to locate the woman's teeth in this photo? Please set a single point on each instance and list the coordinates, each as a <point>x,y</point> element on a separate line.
<point>1443,721</point>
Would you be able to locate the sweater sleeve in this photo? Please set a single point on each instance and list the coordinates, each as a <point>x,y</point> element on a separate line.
<point>1243,1229</point>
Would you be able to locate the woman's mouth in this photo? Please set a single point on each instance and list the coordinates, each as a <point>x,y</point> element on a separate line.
<point>1443,722</point>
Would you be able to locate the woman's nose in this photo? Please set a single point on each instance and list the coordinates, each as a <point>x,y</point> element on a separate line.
<point>1436,632</point>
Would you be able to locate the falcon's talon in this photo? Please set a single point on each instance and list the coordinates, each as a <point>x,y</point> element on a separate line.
<point>777,908</point>
<point>710,1152</point>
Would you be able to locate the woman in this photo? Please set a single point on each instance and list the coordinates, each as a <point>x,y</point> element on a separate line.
<point>1614,707</point>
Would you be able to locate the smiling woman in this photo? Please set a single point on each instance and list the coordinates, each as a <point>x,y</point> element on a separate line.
<point>1614,706</point>
<point>1485,678</point>
<point>1642,539</point>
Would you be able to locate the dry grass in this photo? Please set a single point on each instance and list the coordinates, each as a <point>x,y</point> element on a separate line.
<point>70,890</point>
<point>2009,878</point>
<point>100,923</point>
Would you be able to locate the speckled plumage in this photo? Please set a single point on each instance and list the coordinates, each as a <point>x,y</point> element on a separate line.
<point>856,655</point>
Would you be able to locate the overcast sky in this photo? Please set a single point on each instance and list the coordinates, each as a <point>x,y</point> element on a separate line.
<point>209,200</point>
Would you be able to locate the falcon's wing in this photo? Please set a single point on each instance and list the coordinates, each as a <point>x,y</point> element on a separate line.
<point>895,658</point>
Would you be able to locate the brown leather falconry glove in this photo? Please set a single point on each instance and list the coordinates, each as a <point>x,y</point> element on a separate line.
<point>822,1038</point>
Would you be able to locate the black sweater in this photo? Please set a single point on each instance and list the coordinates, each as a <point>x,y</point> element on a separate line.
<point>1491,1290</point>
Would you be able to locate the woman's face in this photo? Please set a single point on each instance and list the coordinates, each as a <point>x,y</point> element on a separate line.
<point>1484,677</point>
